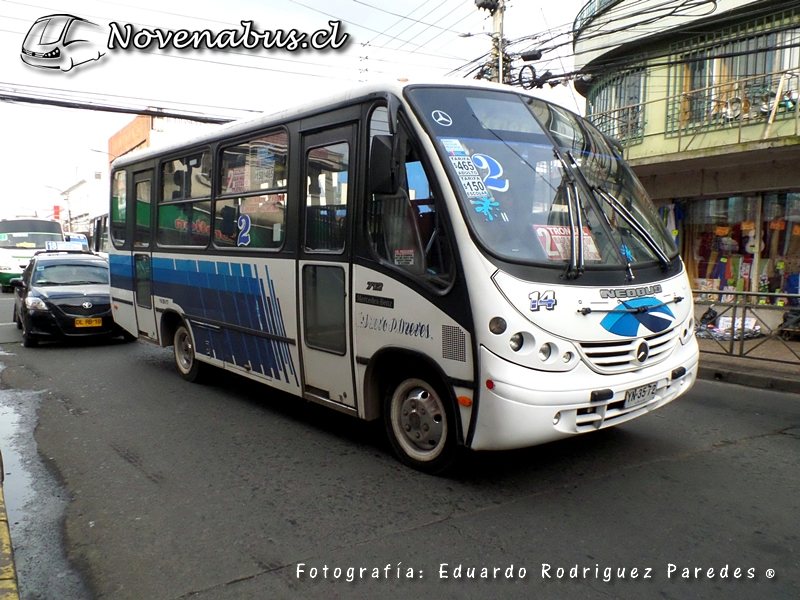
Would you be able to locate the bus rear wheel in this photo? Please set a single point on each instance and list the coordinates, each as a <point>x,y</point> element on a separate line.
<point>189,367</point>
<point>420,427</point>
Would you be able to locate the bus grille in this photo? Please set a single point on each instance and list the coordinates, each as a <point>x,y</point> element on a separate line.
<point>619,357</point>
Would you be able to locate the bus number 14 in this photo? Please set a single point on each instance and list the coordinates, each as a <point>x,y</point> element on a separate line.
<point>546,299</point>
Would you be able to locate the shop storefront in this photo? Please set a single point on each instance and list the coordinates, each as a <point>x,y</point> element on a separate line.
<point>740,243</point>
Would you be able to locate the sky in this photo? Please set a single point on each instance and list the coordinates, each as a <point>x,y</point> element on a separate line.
<point>47,149</point>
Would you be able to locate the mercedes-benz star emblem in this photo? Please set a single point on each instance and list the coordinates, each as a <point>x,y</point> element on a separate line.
<point>442,118</point>
<point>87,305</point>
<point>642,352</point>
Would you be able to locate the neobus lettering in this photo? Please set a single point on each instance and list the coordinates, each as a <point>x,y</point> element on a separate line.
<point>649,290</point>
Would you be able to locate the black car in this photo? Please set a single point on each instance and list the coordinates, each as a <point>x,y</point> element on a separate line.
<point>63,294</point>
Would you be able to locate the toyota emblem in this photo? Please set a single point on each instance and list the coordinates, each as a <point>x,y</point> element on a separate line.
<point>87,305</point>
<point>642,352</point>
<point>442,118</point>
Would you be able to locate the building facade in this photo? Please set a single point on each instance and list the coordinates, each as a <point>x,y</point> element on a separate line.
<point>703,97</point>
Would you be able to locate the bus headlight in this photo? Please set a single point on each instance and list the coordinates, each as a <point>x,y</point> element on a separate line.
<point>497,325</point>
<point>33,303</point>
<point>545,351</point>
<point>516,342</point>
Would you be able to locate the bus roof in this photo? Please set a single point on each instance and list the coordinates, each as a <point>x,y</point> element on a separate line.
<point>364,90</point>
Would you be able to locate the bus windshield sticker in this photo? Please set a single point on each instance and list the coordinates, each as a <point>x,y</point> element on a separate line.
<point>493,180</point>
<point>473,186</point>
<point>557,242</point>
<point>404,257</point>
<point>463,165</point>
<point>486,206</point>
<point>453,147</point>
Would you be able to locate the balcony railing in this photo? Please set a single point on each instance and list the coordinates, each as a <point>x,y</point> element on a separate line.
<point>736,104</point>
<point>756,100</point>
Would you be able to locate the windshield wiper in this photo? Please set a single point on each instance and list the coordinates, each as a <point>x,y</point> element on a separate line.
<point>634,310</point>
<point>635,225</point>
<point>576,262</point>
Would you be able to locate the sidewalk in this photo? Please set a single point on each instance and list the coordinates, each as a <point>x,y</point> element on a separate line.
<point>8,574</point>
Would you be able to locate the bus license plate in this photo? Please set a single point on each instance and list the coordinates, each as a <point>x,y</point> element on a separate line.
<point>88,322</point>
<point>640,395</point>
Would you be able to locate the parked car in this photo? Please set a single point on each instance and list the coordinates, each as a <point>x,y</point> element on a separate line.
<point>63,294</point>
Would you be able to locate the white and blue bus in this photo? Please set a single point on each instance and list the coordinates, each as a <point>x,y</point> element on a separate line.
<point>20,239</point>
<point>473,265</point>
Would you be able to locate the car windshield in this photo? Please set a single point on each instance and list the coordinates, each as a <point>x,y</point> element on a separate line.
<point>70,274</point>
<point>522,168</point>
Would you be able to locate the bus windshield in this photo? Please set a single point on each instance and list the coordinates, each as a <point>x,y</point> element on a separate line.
<point>29,234</point>
<point>540,185</point>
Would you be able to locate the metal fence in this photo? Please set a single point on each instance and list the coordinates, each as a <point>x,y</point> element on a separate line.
<point>754,325</point>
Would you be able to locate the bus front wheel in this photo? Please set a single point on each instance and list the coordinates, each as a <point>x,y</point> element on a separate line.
<point>185,359</point>
<point>420,426</point>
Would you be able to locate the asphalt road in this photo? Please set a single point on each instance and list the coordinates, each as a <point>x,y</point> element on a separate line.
<point>230,490</point>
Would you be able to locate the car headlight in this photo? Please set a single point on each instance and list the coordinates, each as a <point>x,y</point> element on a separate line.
<point>33,303</point>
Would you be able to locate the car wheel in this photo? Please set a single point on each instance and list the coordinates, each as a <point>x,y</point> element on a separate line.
<point>16,318</point>
<point>28,339</point>
<point>420,425</point>
<point>189,367</point>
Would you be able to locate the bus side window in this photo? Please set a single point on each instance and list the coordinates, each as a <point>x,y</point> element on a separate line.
<point>406,229</point>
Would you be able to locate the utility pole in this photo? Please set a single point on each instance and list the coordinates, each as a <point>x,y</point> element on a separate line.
<point>496,8</point>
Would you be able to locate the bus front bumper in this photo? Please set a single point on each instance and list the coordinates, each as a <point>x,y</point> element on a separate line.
<point>526,407</point>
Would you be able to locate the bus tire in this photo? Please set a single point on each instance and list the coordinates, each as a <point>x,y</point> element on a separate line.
<point>420,425</point>
<point>189,367</point>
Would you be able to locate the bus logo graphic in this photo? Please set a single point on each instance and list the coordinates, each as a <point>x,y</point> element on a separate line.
<point>626,318</point>
<point>62,42</point>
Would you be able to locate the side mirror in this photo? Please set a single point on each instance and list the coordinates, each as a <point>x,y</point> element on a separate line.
<point>383,167</point>
<point>16,282</point>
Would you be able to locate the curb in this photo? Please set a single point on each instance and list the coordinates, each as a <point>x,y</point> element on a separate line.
<point>9,589</point>
<point>765,381</point>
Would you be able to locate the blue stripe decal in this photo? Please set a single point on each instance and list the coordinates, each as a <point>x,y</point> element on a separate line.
<point>224,292</point>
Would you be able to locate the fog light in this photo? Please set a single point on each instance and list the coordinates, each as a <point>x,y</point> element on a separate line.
<point>556,418</point>
<point>545,351</point>
<point>567,357</point>
<point>515,342</point>
<point>497,325</point>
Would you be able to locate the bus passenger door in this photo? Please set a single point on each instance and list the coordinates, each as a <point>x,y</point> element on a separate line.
<point>324,268</point>
<point>142,254</point>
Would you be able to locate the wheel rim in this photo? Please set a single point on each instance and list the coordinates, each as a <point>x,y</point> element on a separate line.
<point>184,350</point>
<point>418,420</point>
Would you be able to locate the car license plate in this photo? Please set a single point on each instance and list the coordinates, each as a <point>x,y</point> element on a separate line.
<point>88,322</point>
<point>640,395</point>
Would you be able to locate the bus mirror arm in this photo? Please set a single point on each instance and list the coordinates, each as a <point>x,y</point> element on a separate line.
<point>384,165</point>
